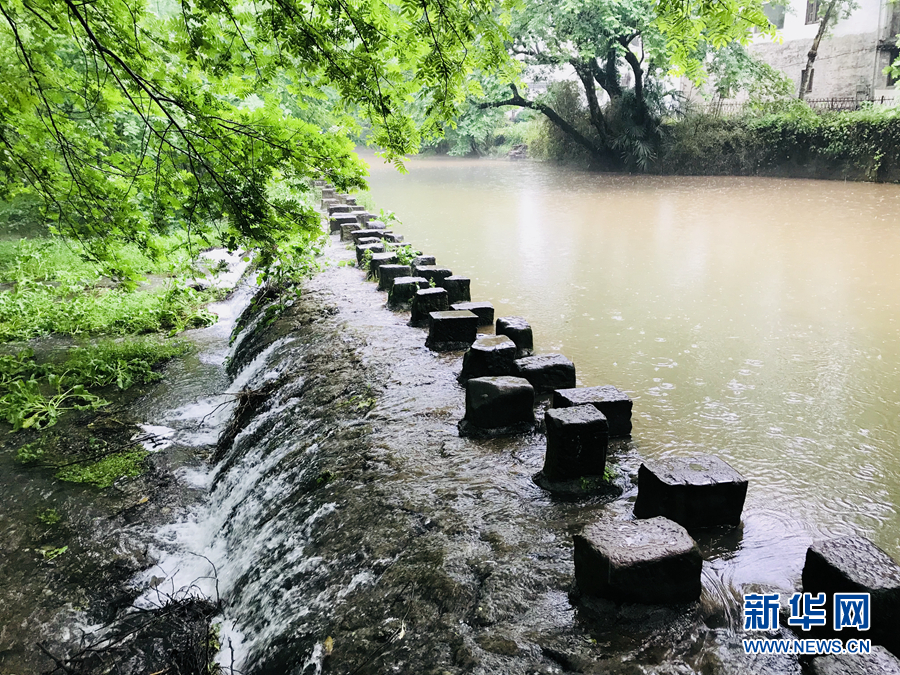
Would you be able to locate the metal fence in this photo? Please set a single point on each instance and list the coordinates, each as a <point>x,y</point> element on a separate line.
<point>727,109</point>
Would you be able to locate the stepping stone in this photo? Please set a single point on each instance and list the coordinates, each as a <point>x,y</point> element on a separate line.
<point>368,232</point>
<point>518,330</point>
<point>484,311</point>
<point>612,402</point>
<point>878,662</point>
<point>651,561</point>
<point>451,330</point>
<point>433,273</point>
<point>547,371</point>
<point>489,355</point>
<point>576,443</point>
<point>350,201</point>
<point>328,202</point>
<point>328,193</point>
<point>698,491</point>
<point>404,289</point>
<point>319,183</point>
<point>497,406</point>
<point>362,217</point>
<point>376,225</point>
<point>393,238</point>
<point>348,229</point>
<point>339,219</point>
<point>361,251</point>
<point>423,260</point>
<point>387,274</point>
<point>426,301</point>
<point>379,259</point>
<point>856,565</point>
<point>457,288</point>
<point>362,241</point>
<point>338,208</point>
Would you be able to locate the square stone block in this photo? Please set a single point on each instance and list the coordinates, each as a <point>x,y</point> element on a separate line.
<point>361,251</point>
<point>457,288</point>
<point>856,565</point>
<point>612,402</point>
<point>484,311</point>
<point>347,229</point>
<point>338,207</point>
<point>387,274</point>
<point>433,273</point>
<point>451,330</point>
<point>518,330</point>
<point>498,405</point>
<point>547,371</point>
<point>379,259</point>
<point>361,241</point>
<point>697,491</point>
<point>328,202</point>
<point>577,439</point>
<point>362,217</point>
<point>328,193</point>
<point>489,355</point>
<point>338,220</point>
<point>423,260</point>
<point>426,301</point>
<point>404,289</point>
<point>393,238</point>
<point>376,225</point>
<point>651,561</point>
<point>368,232</point>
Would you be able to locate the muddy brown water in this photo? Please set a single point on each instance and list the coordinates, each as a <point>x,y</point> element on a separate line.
<point>753,318</point>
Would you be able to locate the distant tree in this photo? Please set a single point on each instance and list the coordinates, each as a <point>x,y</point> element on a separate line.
<point>828,14</point>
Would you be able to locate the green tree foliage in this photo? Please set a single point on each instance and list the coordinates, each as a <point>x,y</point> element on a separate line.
<point>126,122</point>
<point>620,51</point>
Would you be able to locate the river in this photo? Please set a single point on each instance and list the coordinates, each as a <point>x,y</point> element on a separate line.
<point>752,318</point>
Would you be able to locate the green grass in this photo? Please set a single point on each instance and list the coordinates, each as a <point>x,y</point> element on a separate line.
<point>105,471</point>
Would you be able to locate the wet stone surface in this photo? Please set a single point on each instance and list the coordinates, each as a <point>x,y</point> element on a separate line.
<point>489,355</point>
<point>614,403</point>
<point>856,565</point>
<point>498,406</point>
<point>362,248</point>
<point>519,331</point>
<point>403,290</point>
<point>368,232</point>
<point>451,330</point>
<point>547,372</point>
<point>433,273</point>
<point>457,288</point>
<point>878,662</point>
<point>651,561</point>
<point>426,301</point>
<point>484,311</point>
<point>577,439</point>
<point>387,274</point>
<point>696,492</point>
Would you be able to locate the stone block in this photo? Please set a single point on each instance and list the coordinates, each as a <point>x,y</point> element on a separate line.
<point>451,330</point>
<point>488,355</point>
<point>377,225</point>
<point>457,288</point>
<point>393,238</point>
<point>403,290</point>
<point>328,193</point>
<point>362,241</point>
<point>347,229</point>
<point>695,492</point>
<point>856,565</point>
<point>547,371</point>
<point>319,183</point>
<point>498,406</point>
<point>518,330</point>
<point>338,207</point>
<point>328,202</point>
<point>483,310</point>
<point>577,439</point>
<point>379,259</point>
<point>361,251</point>
<point>426,301</point>
<point>387,274</point>
<point>362,217</point>
<point>433,273</point>
<point>651,561</point>
<point>368,232</point>
<point>337,220</point>
<point>613,403</point>
<point>351,201</point>
<point>422,261</point>
<point>878,662</point>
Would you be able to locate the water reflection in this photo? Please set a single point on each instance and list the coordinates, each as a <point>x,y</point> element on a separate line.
<point>753,318</point>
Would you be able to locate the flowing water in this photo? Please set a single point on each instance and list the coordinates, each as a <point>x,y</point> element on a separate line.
<point>753,318</point>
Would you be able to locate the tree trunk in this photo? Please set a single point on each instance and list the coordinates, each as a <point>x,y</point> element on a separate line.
<point>585,74</point>
<point>814,51</point>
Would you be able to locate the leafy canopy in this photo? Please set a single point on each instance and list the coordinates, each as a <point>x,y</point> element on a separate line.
<point>128,119</point>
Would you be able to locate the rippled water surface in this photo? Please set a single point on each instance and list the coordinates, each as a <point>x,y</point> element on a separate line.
<point>753,318</point>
